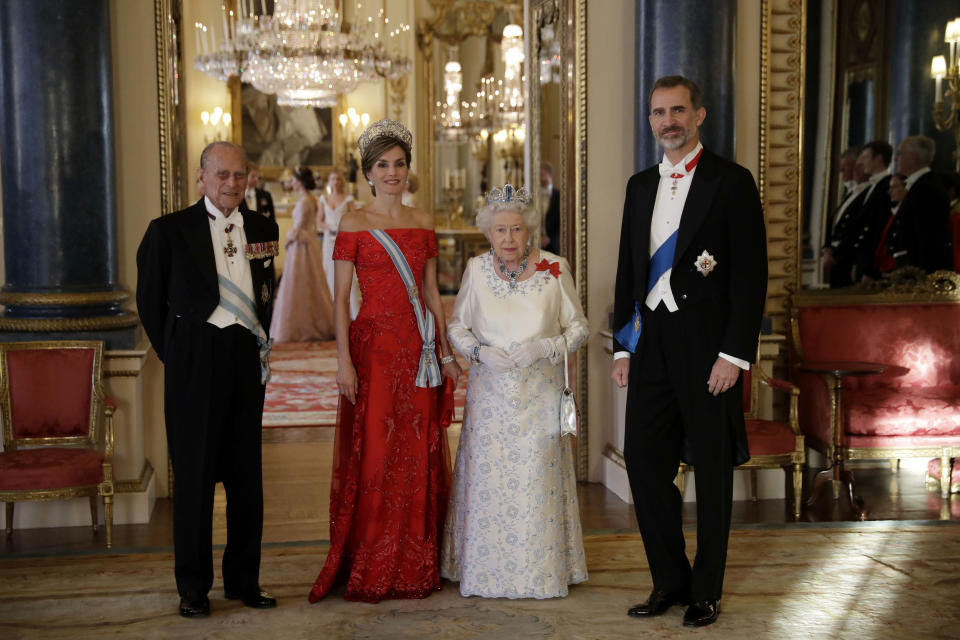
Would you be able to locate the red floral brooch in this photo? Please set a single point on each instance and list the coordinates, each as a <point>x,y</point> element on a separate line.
<point>552,267</point>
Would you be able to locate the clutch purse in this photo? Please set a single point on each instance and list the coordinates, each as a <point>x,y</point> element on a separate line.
<point>568,404</point>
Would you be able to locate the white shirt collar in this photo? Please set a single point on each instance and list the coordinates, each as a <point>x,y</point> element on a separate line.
<point>878,176</point>
<point>683,163</point>
<point>234,217</point>
<point>916,175</point>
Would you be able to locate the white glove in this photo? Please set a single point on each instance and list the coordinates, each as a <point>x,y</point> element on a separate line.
<point>496,359</point>
<point>528,353</point>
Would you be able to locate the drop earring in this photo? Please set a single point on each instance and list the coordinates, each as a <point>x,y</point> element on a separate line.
<point>370,182</point>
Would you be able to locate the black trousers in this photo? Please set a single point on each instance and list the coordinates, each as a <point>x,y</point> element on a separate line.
<point>669,413</point>
<point>214,410</point>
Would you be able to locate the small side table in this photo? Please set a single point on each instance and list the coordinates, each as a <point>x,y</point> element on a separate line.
<point>833,374</point>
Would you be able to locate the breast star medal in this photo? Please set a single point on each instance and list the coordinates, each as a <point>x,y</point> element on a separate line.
<point>265,293</point>
<point>705,263</point>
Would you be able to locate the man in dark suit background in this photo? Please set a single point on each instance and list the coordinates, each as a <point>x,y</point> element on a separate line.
<point>205,297</point>
<point>550,210</point>
<point>692,321</point>
<point>862,236</point>
<point>841,228</point>
<point>918,234</point>
<point>255,198</point>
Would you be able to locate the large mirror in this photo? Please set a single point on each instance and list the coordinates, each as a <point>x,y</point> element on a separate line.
<point>868,77</point>
<point>556,137</point>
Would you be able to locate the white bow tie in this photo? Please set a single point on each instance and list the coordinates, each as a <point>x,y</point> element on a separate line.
<point>672,171</point>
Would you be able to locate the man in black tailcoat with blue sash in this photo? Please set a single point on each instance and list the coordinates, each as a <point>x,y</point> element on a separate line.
<point>690,290</point>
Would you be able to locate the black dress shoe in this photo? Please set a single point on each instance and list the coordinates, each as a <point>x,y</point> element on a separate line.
<point>702,613</point>
<point>258,599</point>
<point>193,606</point>
<point>658,602</point>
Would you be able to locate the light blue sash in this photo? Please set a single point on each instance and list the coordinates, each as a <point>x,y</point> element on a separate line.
<point>428,375</point>
<point>662,260</point>
<point>234,300</point>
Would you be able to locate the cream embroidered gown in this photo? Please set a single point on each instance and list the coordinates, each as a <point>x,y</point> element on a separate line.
<point>513,525</point>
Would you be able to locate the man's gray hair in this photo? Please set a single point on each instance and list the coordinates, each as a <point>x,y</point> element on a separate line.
<point>213,145</point>
<point>922,147</point>
<point>530,214</point>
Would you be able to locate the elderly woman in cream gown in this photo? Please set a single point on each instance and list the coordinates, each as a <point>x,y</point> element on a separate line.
<point>513,525</point>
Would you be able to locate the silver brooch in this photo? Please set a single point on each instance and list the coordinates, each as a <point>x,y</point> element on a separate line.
<point>705,263</point>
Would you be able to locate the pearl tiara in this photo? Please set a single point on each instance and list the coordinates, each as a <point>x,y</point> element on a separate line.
<point>385,127</point>
<point>508,196</point>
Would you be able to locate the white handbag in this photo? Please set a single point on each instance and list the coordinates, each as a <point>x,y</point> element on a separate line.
<point>568,404</point>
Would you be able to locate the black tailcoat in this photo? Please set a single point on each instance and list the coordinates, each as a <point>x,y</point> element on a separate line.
<point>213,395</point>
<point>670,413</point>
<point>920,232</point>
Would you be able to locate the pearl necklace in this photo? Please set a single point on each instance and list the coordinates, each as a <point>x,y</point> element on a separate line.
<point>513,275</point>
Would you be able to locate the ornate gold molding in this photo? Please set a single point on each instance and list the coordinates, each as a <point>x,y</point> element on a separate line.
<point>615,456</point>
<point>136,486</point>
<point>783,33</point>
<point>63,298</point>
<point>580,218</point>
<point>94,323</point>
<point>903,286</point>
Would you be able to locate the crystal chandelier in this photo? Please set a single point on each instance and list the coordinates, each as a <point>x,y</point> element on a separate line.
<point>303,52</point>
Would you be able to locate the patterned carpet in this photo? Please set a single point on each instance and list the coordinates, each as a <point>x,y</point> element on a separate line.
<point>854,580</point>
<point>302,391</point>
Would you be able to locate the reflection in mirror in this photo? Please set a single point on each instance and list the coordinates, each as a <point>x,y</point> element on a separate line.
<point>548,80</point>
<point>868,84</point>
<point>550,108</point>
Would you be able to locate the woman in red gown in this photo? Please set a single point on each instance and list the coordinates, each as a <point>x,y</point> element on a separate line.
<point>391,470</point>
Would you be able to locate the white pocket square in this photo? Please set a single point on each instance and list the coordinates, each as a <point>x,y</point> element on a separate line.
<point>266,263</point>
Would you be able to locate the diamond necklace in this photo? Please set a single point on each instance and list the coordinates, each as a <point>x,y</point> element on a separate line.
<point>513,275</point>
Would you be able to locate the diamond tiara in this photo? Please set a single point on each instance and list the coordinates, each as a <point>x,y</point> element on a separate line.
<point>385,127</point>
<point>508,195</point>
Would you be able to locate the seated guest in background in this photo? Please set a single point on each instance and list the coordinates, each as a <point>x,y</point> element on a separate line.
<point>513,526</point>
<point>838,255</point>
<point>919,234</point>
<point>304,309</point>
<point>257,199</point>
<point>205,297</point>
<point>865,231</point>
<point>549,210</point>
<point>881,262</point>
<point>409,198</point>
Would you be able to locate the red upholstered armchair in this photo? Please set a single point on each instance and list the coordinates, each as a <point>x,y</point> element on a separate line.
<point>772,444</point>
<point>57,426</point>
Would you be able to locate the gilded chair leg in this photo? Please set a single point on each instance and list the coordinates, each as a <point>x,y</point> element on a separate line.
<point>10,518</point>
<point>945,468</point>
<point>94,514</point>
<point>895,465</point>
<point>108,518</point>
<point>797,489</point>
<point>753,485</point>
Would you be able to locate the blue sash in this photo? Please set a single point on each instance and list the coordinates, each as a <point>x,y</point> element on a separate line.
<point>629,334</point>
<point>428,374</point>
<point>234,300</point>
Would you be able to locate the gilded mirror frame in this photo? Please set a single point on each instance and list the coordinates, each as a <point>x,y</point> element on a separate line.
<point>168,28</point>
<point>569,18</point>
<point>782,71</point>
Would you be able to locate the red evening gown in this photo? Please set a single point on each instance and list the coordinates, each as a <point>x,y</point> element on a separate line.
<point>391,468</point>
